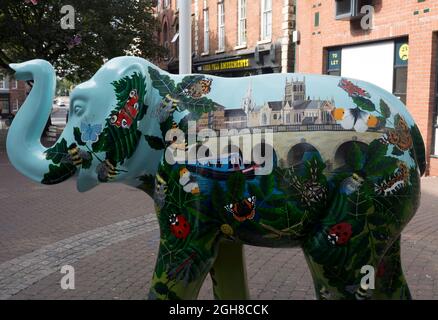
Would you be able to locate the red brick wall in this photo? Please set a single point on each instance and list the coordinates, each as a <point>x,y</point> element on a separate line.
<point>392,19</point>
<point>253,12</point>
<point>17,94</point>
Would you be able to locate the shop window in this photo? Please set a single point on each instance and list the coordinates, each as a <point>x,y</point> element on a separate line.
<point>401,69</point>
<point>266,20</point>
<point>242,22</point>
<point>334,58</point>
<point>221,25</point>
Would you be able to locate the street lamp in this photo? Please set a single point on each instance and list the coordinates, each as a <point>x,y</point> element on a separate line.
<point>185,36</point>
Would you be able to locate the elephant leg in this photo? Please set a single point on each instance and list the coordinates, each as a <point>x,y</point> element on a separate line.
<point>180,271</point>
<point>390,280</point>
<point>229,272</point>
<point>348,270</point>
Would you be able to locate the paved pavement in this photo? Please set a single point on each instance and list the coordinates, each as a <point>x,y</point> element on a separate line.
<point>110,236</point>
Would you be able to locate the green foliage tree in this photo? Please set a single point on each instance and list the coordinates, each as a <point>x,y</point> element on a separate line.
<point>103,30</point>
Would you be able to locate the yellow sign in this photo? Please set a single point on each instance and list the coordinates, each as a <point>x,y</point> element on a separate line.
<point>234,64</point>
<point>403,53</point>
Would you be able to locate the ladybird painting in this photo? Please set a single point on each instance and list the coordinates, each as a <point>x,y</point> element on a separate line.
<point>340,233</point>
<point>179,226</point>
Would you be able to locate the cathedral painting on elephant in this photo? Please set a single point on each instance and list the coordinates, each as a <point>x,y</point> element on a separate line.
<point>328,164</point>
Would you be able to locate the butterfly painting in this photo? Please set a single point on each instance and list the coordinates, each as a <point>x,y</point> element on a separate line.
<point>352,89</point>
<point>244,210</point>
<point>355,118</point>
<point>90,133</point>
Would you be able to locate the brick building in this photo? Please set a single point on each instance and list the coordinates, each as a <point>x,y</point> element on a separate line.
<point>232,37</point>
<point>12,94</point>
<point>398,53</point>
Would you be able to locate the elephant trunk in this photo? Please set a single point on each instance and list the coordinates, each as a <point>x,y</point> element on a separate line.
<point>23,145</point>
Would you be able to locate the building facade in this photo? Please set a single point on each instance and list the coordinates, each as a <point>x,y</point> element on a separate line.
<point>12,94</point>
<point>396,49</point>
<point>232,38</point>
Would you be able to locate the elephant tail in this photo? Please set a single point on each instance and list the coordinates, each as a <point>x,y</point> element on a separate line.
<point>420,151</point>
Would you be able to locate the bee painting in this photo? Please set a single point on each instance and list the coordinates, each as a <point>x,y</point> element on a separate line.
<point>75,155</point>
<point>167,106</point>
<point>199,88</point>
<point>106,171</point>
<point>160,191</point>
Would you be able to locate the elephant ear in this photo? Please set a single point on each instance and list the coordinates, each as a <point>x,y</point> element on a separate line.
<point>117,142</point>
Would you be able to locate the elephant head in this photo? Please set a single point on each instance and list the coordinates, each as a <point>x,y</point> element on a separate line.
<point>103,129</point>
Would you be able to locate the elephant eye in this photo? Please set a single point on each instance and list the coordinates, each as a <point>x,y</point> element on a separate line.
<point>78,109</point>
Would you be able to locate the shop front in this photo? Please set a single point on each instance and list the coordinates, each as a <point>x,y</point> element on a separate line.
<point>383,63</point>
<point>259,61</point>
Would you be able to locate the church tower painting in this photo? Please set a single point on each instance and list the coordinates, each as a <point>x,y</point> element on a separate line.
<point>295,90</point>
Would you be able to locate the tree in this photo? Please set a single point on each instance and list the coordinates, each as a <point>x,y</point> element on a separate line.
<point>32,29</point>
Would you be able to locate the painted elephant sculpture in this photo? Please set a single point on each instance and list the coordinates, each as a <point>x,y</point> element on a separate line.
<point>328,164</point>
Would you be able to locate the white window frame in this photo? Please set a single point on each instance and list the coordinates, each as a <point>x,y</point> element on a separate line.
<point>14,84</point>
<point>15,107</point>
<point>220,26</point>
<point>266,23</point>
<point>2,81</point>
<point>206,31</point>
<point>241,23</point>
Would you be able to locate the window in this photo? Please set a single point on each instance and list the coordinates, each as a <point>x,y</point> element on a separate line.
<point>166,37</point>
<point>266,19</point>
<point>401,69</point>
<point>14,84</point>
<point>175,39</point>
<point>221,26</point>
<point>166,3</point>
<point>2,81</point>
<point>316,22</point>
<point>334,62</point>
<point>16,105</point>
<point>241,12</point>
<point>4,104</point>
<point>206,32</point>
